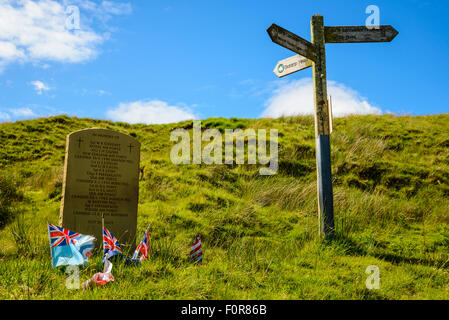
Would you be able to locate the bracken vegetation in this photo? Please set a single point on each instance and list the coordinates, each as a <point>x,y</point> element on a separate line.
<point>259,234</point>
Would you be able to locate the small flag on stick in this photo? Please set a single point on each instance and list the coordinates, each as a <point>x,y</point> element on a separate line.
<point>196,252</point>
<point>142,248</point>
<point>112,248</point>
<point>110,245</point>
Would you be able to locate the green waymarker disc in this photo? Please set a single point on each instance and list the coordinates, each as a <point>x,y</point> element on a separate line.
<point>281,68</point>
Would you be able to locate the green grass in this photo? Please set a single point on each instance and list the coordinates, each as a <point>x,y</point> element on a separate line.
<point>259,234</point>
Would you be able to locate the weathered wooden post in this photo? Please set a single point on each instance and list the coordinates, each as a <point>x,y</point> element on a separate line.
<point>314,54</point>
<point>322,131</point>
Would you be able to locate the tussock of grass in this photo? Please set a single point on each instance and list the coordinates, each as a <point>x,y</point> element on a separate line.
<point>259,234</point>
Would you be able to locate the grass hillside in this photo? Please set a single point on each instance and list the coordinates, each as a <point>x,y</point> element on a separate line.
<point>259,234</point>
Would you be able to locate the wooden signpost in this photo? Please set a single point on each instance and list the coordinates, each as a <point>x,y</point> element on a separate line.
<point>315,53</point>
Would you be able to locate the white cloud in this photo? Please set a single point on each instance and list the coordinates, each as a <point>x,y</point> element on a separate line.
<point>102,92</point>
<point>101,11</point>
<point>150,112</point>
<point>116,8</point>
<point>22,113</point>
<point>39,86</point>
<point>9,51</point>
<point>4,116</point>
<point>296,98</point>
<point>32,31</point>
<point>32,111</point>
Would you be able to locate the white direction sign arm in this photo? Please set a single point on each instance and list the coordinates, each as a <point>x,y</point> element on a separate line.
<point>292,65</point>
<point>358,34</point>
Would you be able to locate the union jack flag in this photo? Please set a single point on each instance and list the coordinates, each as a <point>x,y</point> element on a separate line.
<point>61,237</point>
<point>63,247</point>
<point>196,252</point>
<point>110,244</point>
<point>142,248</point>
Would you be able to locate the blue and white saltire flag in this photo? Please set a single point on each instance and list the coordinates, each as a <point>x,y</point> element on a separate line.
<point>62,247</point>
<point>110,245</point>
<point>142,248</point>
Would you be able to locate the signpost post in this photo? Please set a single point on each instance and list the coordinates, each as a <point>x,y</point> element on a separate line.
<point>314,54</point>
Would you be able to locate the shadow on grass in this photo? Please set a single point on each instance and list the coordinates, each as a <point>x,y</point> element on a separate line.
<point>353,248</point>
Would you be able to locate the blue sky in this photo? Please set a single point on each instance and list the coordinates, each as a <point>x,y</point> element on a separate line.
<point>163,61</point>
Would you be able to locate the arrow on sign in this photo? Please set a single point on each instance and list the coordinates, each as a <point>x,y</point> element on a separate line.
<point>357,34</point>
<point>291,65</point>
<point>292,42</point>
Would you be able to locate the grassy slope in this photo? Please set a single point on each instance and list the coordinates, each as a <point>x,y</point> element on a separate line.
<point>391,190</point>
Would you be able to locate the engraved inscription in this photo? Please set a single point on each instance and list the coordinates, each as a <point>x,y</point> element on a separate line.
<point>101,179</point>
